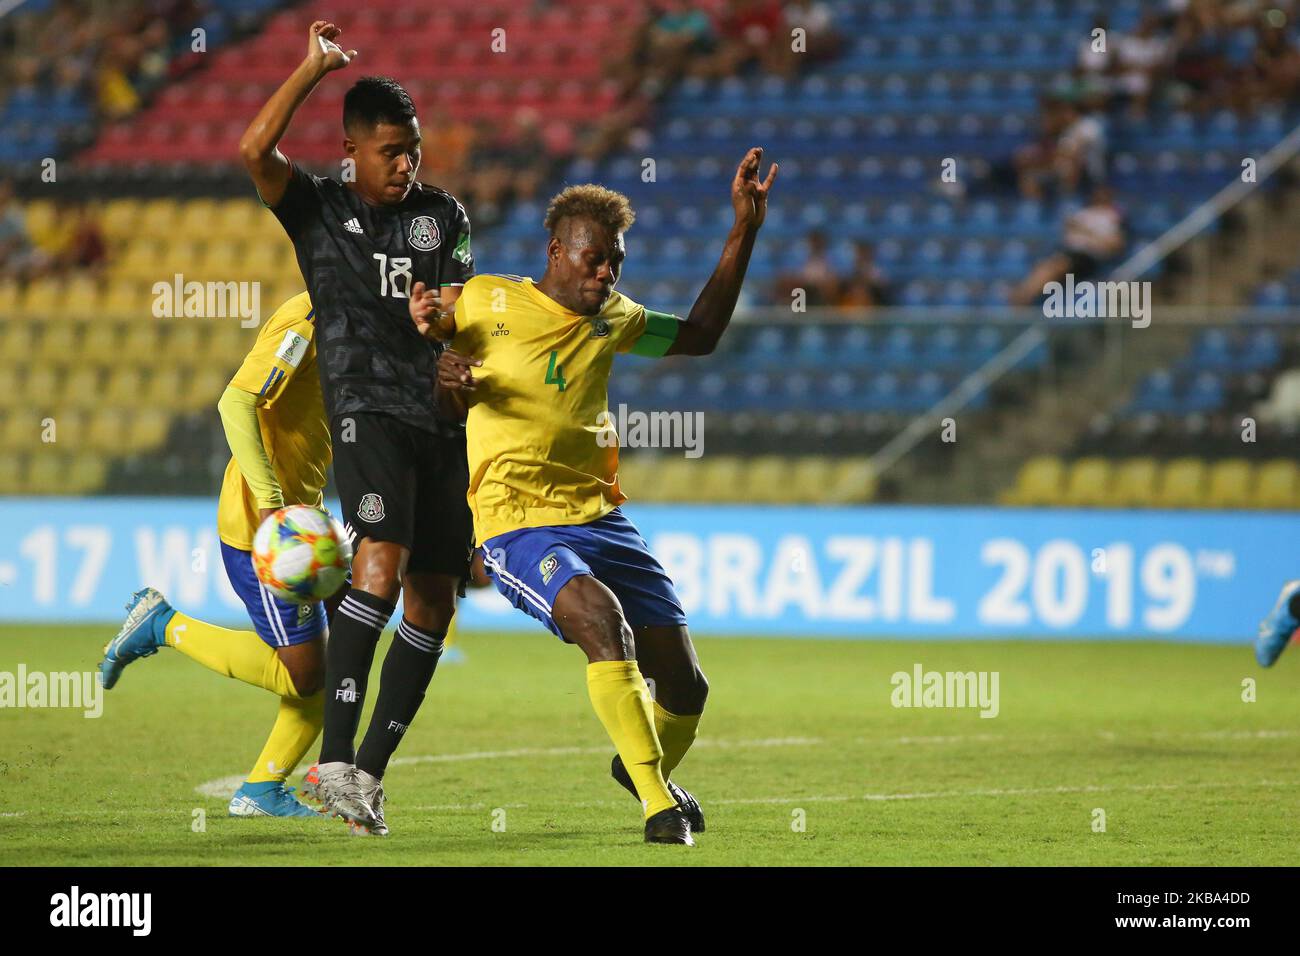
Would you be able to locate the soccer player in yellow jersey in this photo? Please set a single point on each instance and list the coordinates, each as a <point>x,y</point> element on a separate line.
<point>274,420</point>
<point>530,368</point>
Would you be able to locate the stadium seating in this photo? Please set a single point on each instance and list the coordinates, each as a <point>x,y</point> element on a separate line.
<point>1145,482</point>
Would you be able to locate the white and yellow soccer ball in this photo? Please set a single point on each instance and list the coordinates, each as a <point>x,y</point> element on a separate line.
<point>302,554</point>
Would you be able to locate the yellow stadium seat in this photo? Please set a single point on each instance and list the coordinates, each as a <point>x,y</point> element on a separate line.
<point>1135,483</point>
<point>18,342</point>
<point>1040,481</point>
<point>852,481</point>
<point>164,388</point>
<point>718,479</point>
<point>142,261</point>
<point>83,299</point>
<point>199,217</point>
<point>41,219</point>
<point>119,219</point>
<point>158,218</point>
<point>47,472</point>
<point>187,340</point>
<point>60,343</point>
<point>1182,484</point>
<point>224,260</point>
<point>238,217</point>
<point>9,293</point>
<point>86,473</point>
<point>12,394</point>
<point>637,472</point>
<point>127,300</point>
<point>1230,484</point>
<point>40,389</point>
<point>1276,485</point>
<point>102,343</point>
<point>810,478</point>
<point>1088,483</point>
<point>143,341</point>
<point>205,387</point>
<point>147,429</point>
<point>767,478</point>
<point>124,388</point>
<point>21,430</point>
<point>106,431</point>
<point>82,387</point>
<point>11,475</point>
<point>42,299</point>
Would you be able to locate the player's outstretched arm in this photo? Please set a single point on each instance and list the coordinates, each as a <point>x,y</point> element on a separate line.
<point>259,146</point>
<point>701,330</point>
<point>431,311</point>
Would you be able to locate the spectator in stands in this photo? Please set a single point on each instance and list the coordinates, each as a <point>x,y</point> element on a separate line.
<point>19,257</point>
<point>1036,162</point>
<point>753,31</point>
<point>867,286</point>
<point>817,20</point>
<point>817,277</point>
<point>1142,57</point>
<point>79,241</point>
<point>1274,71</point>
<point>1080,155</point>
<point>679,40</point>
<point>1092,236</point>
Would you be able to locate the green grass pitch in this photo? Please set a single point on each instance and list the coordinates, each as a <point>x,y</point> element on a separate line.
<point>1155,735</point>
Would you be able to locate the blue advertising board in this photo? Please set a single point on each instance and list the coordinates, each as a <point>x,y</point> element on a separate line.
<point>833,572</point>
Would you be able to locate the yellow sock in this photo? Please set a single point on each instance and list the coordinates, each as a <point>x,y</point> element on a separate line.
<point>676,733</point>
<point>622,702</point>
<point>296,729</point>
<point>239,654</point>
<point>450,639</point>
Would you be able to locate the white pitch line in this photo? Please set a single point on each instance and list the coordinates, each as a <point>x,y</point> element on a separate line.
<point>223,787</point>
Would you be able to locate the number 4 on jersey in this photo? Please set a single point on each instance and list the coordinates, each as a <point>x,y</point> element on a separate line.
<point>555,373</point>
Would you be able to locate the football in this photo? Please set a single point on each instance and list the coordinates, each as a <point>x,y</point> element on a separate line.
<point>301,553</point>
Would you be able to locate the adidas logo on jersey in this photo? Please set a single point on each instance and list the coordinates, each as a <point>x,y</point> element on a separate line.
<point>352,225</point>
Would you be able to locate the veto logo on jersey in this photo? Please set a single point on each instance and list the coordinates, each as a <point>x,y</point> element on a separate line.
<point>425,234</point>
<point>500,330</point>
<point>371,508</point>
<point>292,349</point>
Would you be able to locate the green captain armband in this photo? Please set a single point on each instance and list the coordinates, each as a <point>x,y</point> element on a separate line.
<point>659,335</point>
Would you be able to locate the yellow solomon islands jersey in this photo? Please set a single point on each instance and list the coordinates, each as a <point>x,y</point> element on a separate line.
<point>535,458</point>
<point>280,370</point>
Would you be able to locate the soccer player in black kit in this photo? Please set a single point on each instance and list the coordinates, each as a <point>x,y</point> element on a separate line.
<point>400,468</point>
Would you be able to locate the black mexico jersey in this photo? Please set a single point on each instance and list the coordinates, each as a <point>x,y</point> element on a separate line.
<point>360,262</point>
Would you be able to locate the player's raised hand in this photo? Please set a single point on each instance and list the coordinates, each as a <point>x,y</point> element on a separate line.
<point>323,51</point>
<point>748,193</point>
<point>426,312</point>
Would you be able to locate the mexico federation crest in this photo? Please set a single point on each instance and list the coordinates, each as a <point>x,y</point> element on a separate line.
<point>548,566</point>
<point>424,233</point>
<point>371,508</point>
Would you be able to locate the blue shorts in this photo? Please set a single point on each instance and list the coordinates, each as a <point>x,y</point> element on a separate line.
<point>529,566</point>
<point>278,622</point>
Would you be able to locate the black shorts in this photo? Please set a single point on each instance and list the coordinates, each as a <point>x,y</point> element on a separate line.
<point>402,484</point>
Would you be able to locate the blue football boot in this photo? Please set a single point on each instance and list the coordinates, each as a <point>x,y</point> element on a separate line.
<point>1275,631</point>
<point>271,799</point>
<point>144,631</point>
